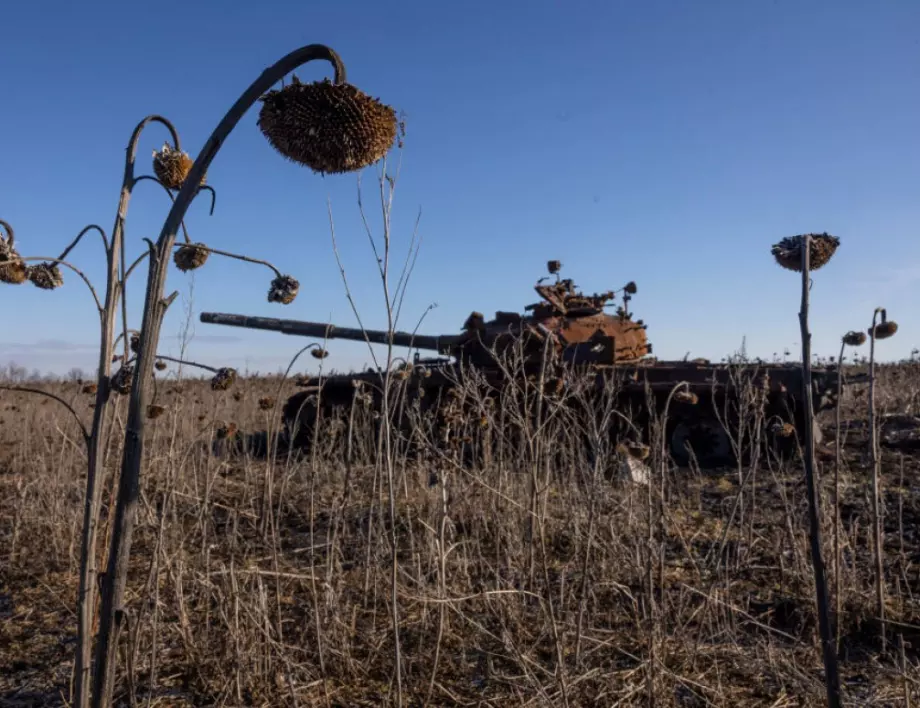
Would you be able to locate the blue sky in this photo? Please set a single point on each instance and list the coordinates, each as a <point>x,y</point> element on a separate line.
<point>665,142</point>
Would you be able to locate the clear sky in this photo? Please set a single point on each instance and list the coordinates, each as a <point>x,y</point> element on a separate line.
<point>665,142</point>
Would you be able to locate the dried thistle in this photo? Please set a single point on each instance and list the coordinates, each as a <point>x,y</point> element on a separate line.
<point>223,379</point>
<point>190,256</point>
<point>160,365</point>
<point>266,403</point>
<point>122,379</point>
<point>788,252</point>
<point>46,276</point>
<point>172,166</point>
<point>854,339</point>
<point>283,289</point>
<point>319,353</point>
<point>154,411</point>
<point>328,127</point>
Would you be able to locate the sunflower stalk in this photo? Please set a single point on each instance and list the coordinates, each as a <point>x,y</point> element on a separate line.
<point>829,651</point>
<point>112,612</point>
<point>882,330</point>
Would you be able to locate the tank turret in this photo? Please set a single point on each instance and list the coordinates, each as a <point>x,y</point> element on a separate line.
<point>579,329</point>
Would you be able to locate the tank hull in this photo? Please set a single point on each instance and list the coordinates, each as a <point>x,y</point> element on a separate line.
<point>704,409</point>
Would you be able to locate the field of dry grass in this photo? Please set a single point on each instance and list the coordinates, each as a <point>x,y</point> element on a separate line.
<point>267,583</point>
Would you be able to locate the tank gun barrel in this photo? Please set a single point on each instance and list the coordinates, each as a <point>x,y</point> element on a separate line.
<point>318,330</point>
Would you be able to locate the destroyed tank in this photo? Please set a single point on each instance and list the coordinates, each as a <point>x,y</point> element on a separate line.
<point>563,336</point>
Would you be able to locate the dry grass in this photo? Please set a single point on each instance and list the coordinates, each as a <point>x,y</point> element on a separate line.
<point>259,582</point>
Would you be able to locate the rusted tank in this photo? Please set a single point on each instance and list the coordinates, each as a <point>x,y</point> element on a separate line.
<point>558,343</point>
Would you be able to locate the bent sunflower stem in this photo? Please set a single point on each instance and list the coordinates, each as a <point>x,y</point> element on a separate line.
<point>54,397</point>
<point>58,261</point>
<point>73,244</point>
<point>111,618</point>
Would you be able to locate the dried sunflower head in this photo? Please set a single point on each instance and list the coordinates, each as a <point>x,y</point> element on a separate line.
<point>160,365</point>
<point>788,252</point>
<point>688,397</point>
<point>854,339</point>
<point>13,271</point>
<point>190,256</point>
<point>90,388</point>
<point>172,166</point>
<point>122,379</point>
<point>46,276</point>
<point>885,329</point>
<point>635,450</point>
<point>329,127</point>
<point>154,411</point>
<point>226,431</point>
<point>553,267</point>
<point>319,353</point>
<point>283,289</point>
<point>266,403</point>
<point>631,288</point>
<point>223,379</point>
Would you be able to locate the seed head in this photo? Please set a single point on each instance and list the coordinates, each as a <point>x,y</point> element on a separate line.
<point>283,289</point>
<point>154,411</point>
<point>14,272</point>
<point>160,365</point>
<point>266,403</point>
<point>226,431</point>
<point>122,379</point>
<point>172,166</point>
<point>190,256</point>
<point>13,269</point>
<point>135,343</point>
<point>854,339</point>
<point>631,288</point>
<point>90,388</point>
<point>885,329</point>
<point>318,353</point>
<point>636,450</point>
<point>688,397</point>
<point>553,267</point>
<point>328,127</point>
<point>788,252</point>
<point>223,379</point>
<point>46,276</point>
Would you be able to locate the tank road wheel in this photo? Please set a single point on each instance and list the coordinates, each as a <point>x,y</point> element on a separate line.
<point>707,439</point>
